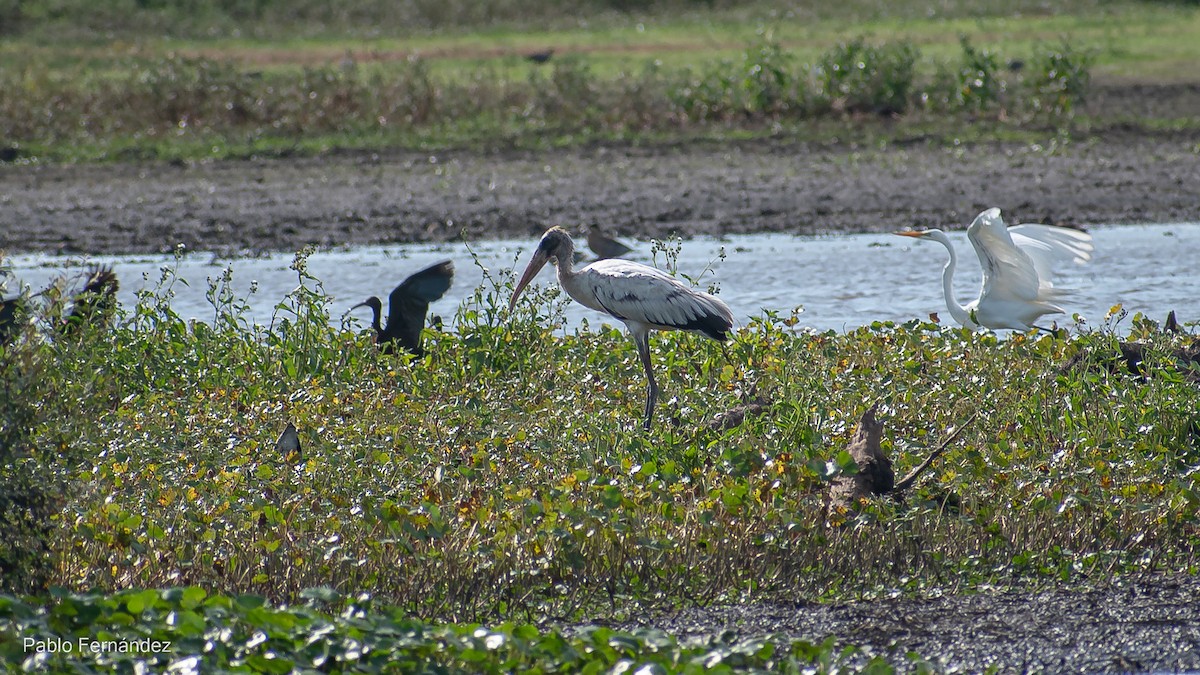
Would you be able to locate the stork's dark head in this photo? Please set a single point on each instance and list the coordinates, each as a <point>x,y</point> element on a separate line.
<point>555,245</point>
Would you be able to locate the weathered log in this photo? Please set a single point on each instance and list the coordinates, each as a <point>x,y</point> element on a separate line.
<point>875,474</point>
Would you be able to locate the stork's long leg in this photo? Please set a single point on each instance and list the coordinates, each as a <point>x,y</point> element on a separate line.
<point>643,344</point>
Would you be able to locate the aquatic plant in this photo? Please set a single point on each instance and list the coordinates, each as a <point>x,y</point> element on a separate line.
<point>504,475</point>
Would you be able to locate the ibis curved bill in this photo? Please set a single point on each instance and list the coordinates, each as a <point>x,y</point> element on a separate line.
<point>1018,263</point>
<point>407,306</point>
<point>642,297</point>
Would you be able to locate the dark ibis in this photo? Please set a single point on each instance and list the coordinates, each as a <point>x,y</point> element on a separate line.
<point>407,306</point>
<point>605,246</point>
<point>11,311</point>
<point>96,302</point>
<point>288,445</point>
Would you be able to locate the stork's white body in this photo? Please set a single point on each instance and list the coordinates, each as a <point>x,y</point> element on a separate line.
<point>643,297</point>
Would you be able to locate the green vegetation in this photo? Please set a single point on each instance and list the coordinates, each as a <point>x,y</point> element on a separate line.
<point>186,628</point>
<point>200,87</point>
<point>180,106</point>
<point>455,488</point>
<point>504,478</point>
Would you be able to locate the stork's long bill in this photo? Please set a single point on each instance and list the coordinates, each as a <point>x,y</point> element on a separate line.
<point>540,258</point>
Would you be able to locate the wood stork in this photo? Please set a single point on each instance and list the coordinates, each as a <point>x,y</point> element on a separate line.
<point>407,306</point>
<point>1017,264</point>
<point>641,296</point>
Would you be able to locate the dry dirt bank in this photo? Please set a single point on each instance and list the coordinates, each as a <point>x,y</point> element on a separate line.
<point>686,189</point>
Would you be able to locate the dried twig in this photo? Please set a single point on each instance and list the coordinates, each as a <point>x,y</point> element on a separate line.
<point>911,478</point>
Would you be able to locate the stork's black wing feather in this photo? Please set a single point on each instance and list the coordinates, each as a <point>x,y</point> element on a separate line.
<point>408,304</point>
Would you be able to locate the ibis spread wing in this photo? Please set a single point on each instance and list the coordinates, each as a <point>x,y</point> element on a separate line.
<point>429,284</point>
<point>409,302</point>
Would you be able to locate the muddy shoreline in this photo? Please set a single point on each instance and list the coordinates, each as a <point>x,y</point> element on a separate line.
<point>1141,624</point>
<point>349,199</point>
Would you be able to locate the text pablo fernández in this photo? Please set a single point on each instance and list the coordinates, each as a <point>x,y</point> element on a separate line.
<point>86,645</point>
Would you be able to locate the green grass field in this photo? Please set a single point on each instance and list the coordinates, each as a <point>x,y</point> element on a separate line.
<point>224,85</point>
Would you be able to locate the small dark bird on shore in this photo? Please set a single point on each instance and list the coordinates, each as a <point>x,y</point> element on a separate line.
<point>288,445</point>
<point>96,302</point>
<point>540,57</point>
<point>605,246</point>
<point>407,306</point>
<point>1171,325</point>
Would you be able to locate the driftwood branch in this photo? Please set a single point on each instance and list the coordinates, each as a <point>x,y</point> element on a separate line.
<point>875,475</point>
<point>911,478</point>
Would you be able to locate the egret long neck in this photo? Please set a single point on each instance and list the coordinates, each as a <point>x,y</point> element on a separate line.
<point>957,310</point>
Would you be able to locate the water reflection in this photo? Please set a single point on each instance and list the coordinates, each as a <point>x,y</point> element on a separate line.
<point>840,282</point>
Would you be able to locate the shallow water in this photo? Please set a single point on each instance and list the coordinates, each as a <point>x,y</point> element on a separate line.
<point>840,282</point>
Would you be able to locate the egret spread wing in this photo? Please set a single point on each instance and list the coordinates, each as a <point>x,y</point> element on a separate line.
<point>1049,246</point>
<point>637,293</point>
<point>1009,273</point>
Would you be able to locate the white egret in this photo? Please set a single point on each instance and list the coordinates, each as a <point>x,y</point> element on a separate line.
<point>1017,265</point>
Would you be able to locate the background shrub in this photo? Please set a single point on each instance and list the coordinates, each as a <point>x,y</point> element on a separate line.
<point>1059,79</point>
<point>857,77</point>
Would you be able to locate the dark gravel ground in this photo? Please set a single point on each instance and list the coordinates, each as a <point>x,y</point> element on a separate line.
<point>1141,624</point>
<point>687,189</point>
